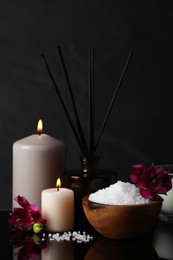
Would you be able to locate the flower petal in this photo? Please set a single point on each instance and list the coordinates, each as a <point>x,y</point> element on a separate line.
<point>146,194</point>
<point>136,172</point>
<point>22,201</point>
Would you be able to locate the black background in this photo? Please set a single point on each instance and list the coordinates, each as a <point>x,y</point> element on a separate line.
<point>139,129</point>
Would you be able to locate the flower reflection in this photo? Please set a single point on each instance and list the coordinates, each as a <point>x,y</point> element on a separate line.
<point>26,246</point>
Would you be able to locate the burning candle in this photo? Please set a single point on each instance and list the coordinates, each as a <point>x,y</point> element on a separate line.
<point>57,206</point>
<point>37,161</point>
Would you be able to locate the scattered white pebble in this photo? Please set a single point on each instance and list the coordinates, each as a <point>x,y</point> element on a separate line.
<point>120,193</point>
<point>68,236</point>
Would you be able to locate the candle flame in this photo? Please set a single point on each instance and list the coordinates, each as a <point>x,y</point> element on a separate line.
<point>58,183</point>
<point>39,127</point>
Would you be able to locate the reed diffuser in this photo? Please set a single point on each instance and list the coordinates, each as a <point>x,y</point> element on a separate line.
<point>89,178</point>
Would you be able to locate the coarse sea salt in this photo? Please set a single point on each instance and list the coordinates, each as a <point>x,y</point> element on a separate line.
<point>120,193</point>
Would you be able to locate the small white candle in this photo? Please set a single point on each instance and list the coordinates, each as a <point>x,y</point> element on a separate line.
<point>37,162</point>
<point>57,206</point>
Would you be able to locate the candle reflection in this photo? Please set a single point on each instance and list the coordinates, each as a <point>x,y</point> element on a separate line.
<point>58,251</point>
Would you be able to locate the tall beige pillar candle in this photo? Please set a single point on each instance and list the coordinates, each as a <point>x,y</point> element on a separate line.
<point>38,160</point>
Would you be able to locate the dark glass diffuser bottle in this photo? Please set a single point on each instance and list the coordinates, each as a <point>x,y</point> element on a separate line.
<point>94,178</point>
<point>87,180</point>
<point>90,177</point>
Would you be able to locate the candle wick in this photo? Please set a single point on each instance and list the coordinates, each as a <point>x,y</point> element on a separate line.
<point>57,188</point>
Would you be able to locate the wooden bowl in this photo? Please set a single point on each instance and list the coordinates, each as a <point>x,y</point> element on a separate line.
<point>121,221</point>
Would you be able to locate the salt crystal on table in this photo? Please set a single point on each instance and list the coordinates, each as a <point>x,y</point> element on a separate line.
<point>120,193</point>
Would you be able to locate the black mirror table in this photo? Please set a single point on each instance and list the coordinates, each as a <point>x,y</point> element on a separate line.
<point>158,244</point>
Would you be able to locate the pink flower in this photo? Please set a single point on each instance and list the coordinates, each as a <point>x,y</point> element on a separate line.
<point>151,180</point>
<point>26,216</point>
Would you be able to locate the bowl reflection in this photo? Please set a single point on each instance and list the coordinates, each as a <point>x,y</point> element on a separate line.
<point>104,248</point>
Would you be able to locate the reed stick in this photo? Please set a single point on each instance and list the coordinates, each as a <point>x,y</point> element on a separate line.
<point>91,101</point>
<point>113,100</point>
<point>63,103</point>
<point>80,130</point>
